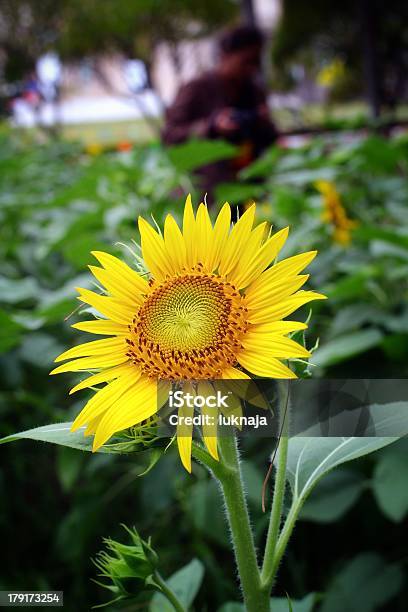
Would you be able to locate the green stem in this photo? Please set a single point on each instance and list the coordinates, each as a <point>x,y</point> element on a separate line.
<point>284,538</point>
<point>244,547</point>
<point>268,567</point>
<point>168,593</point>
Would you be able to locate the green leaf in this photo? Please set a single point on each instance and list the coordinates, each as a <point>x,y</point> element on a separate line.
<point>133,440</point>
<point>389,482</point>
<point>263,166</point>
<point>195,153</point>
<point>394,236</point>
<point>10,332</point>
<point>185,583</point>
<point>346,346</point>
<point>333,496</point>
<point>364,585</point>
<point>13,291</point>
<point>309,459</point>
<point>354,316</point>
<point>57,433</point>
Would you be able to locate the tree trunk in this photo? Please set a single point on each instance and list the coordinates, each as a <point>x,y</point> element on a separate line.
<point>368,23</point>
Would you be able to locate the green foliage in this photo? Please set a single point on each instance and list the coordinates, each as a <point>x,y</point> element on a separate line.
<point>56,205</point>
<point>337,492</point>
<point>363,585</point>
<point>365,281</point>
<point>310,458</point>
<point>345,347</point>
<point>389,482</point>
<point>193,154</point>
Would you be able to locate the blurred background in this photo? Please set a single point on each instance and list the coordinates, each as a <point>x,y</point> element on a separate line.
<point>116,108</point>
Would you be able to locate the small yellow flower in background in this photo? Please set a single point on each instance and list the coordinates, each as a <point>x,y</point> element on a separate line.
<point>330,74</point>
<point>93,148</point>
<point>335,214</point>
<point>211,307</point>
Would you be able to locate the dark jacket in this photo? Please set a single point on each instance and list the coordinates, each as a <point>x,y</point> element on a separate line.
<point>192,112</point>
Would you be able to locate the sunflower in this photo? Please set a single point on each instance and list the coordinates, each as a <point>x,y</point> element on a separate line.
<point>210,307</point>
<point>335,214</point>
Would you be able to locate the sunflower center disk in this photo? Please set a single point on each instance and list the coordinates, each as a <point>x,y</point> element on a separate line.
<point>189,327</point>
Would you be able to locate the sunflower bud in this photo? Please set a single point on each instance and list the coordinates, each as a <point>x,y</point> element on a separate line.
<point>127,568</point>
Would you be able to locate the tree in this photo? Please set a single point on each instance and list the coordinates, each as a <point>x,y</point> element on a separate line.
<point>78,28</point>
<point>369,36</point>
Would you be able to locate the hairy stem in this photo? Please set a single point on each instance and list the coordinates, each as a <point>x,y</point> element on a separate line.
<point>269,566</point>
<point>241,531</point>
<point>228,472</point>
<point>284,538</point>
<point>168,593</point>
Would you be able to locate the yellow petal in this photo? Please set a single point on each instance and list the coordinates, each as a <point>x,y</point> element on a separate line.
<point>247,389</point>
<point>154,251</point>
<point>129,278</point>
<point>284,269</point>
<point>239,235</point>
<point>107,346</point>
<point>134,406</point>
<point>277,290</point>
<point>204,236</point>
<point>103,399</point>
<point>234,400</point>
<point>248,252</point>
<point>234,374</point>
<point>104,376</point>
<point>264,366</point>
<point>184,430</point>
<point>220,234</point>
<point>103,327</point>
<point>92,426</point>
<point>116,287</point>
<point>274,345</point>
<point>90,363</point>
<point>282,309</point>
<point>174,243</point>
<point>277,327</point>
<point>262,259</point>
<point>189,233</point>
<point>109,307</point>
<point>210,423</point>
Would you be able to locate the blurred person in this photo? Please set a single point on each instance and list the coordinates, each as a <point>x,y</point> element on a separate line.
<point>227,103</point>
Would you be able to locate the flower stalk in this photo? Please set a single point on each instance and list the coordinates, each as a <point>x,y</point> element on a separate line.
<point>270,566</point>
<point>256,584</point>
<point>168,593</point>
<point>241,532</point>
<point>229,476</point>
